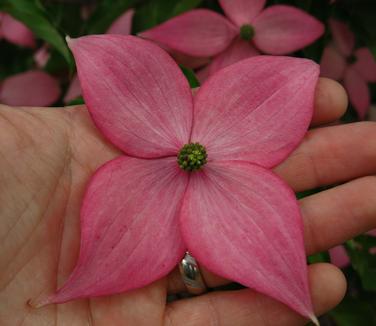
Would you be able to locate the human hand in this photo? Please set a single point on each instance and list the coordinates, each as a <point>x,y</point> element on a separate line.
<point>47,157</point>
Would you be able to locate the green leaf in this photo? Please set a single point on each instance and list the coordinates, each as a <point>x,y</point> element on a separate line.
<point>67,16</point>
<point>373,50</point>
<point>183,5</point>
<point>302,194</point>
<point>362,260</point>
<point>77,101</point>
<point>350,115</point>
<point>55,64</point>
<point>32,14</point>
<point>155,12</point>
<point>105,13</point>
<point>322,257</point>
<point>304,4</point>
<point>354,312</point>
<point>190,75</point>
<point>14,59</point>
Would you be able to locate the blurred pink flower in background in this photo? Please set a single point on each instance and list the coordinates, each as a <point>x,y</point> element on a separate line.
<point>87,10</point>
<point>121,25</point>
<point>74,90</point>
<point>41,56</point>
<point>15,32</point>
<point>31,88</point>
<point>248,29</point>
<point>339,256</point>
<point>340,61</point>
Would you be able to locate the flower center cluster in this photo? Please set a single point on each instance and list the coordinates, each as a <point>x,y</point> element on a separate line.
<point>247,32</point>
<point>192,157</point>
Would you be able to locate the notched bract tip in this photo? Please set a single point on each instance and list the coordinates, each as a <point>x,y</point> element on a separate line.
<point>70,41</point>
<point>315,320</point>
<point>38,302</point>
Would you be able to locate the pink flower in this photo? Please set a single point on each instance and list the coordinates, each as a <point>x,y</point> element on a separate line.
<point>372,233</point>
<point>354,68</point>
<point>339,256</point>
<point>15,32</point>
<point>41,56</point>
<point>201,184</point>
<point>31,88</point>
<point>249,29</point>
<point>87,10</point>
<point>121,25</point>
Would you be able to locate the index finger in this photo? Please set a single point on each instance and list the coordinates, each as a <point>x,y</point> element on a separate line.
<point>330,102</point>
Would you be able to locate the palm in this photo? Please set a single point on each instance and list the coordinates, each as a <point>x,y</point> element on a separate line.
<point>47,157</point>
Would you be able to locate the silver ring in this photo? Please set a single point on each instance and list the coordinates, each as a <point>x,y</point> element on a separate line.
<point>190,273</point>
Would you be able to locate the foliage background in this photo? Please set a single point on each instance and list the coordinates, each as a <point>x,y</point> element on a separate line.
<point>51,20</point>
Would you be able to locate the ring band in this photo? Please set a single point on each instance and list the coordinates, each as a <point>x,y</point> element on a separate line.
<point>191,275</point>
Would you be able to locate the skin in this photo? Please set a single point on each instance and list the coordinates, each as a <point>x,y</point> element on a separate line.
<point>47,155</point>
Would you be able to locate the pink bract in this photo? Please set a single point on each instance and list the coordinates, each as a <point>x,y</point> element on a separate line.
<point>278,30</point>
<point>141,211</point>
<point>15,32</point>
<point>355,68</point>
<point>122,25</point>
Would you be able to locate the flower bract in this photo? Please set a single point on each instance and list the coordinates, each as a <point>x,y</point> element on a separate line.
<point>142,211</point>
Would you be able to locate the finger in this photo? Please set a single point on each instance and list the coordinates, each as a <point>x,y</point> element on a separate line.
<point>330,102</point>
<point>331,155</point>
<point>333,216</point>
<point>246,307</point>
<point>330,218</point>
<point>127,308</point>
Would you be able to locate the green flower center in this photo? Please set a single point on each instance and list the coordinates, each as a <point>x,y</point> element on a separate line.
<point>247,32</point>
<point>192,157</point>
